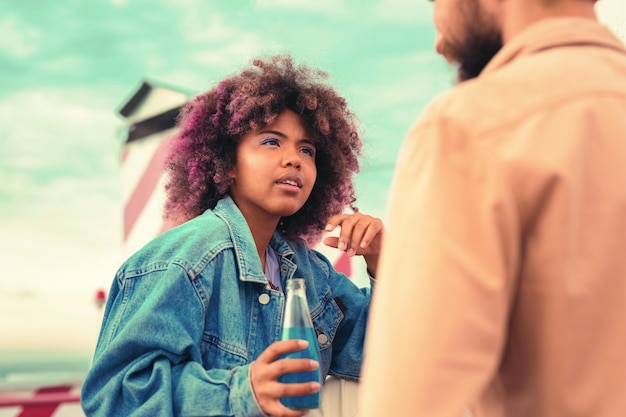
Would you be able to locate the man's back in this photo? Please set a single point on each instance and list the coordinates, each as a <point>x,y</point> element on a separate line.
<point>511,194</point>
<point>560,141</point>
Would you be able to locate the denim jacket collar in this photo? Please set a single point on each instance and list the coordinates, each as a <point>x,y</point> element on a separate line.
<point>250,268</point>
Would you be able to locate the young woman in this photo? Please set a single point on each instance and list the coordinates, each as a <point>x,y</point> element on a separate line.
<point>261,166</point>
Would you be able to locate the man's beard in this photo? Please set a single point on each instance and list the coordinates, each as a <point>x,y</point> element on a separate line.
<point>476,53</point>
<point>481,43</point>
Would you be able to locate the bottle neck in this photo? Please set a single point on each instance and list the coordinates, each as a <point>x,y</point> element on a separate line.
<point>296,307</point>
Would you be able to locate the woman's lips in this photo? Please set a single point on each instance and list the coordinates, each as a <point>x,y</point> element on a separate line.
<point>291,179</point>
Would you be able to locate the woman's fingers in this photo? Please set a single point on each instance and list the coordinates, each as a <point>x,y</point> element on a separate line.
<point>267,368</point>
<point>360,234</point>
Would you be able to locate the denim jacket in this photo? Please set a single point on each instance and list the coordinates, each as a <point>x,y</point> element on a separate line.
<point>189,312</point>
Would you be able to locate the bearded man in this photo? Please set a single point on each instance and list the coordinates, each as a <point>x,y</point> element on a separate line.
<point>503,271</point>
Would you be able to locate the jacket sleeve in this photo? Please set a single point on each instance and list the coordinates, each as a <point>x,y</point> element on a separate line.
<point>148,360</point>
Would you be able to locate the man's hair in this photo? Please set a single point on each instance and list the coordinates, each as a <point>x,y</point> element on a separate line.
<point>211,126</point>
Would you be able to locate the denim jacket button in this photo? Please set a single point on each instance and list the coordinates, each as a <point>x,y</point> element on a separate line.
<point>264,298</point>
<point>322,339</point>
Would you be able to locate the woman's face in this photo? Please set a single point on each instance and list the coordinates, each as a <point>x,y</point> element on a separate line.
<point>275,170</point>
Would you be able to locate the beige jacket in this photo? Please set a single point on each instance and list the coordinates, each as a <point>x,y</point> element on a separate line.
<point>502,282</point>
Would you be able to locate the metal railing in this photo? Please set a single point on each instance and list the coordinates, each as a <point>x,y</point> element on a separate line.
<point>41,400</point>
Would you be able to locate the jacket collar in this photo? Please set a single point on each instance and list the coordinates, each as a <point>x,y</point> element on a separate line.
<point>248,263</point>
<point>553,33</point>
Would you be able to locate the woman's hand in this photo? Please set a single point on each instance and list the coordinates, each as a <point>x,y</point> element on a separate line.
<point>266,369</point>
<point>360,235</point>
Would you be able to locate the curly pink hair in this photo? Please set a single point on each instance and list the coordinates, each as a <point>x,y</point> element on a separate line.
<point>212,124</point>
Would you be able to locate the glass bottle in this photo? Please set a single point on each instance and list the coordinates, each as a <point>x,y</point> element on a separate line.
<point>297,324</point>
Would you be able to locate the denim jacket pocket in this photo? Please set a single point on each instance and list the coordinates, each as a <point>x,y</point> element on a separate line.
<point>218,354</point>
<point>326,319</point>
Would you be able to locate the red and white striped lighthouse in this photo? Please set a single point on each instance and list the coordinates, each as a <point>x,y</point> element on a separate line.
<point>150,115</point>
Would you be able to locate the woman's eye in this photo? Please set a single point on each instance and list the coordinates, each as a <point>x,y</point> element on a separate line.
<point>308,151</point>
<point>270,141</point>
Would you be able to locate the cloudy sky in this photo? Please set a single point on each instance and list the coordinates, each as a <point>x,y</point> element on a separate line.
<point>67,67</point>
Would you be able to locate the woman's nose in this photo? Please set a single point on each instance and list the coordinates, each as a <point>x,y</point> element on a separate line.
<point>291,158</point>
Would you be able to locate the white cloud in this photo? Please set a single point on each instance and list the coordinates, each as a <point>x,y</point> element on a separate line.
<point>210,29</point>
<point>403,10</point>
<point>55,128</point>
<point>18,39</point>
<point>60,215</point>
<point>216,47</point>
<point>332,7</point>
<point>48,286</point>
<point>58,159</point>
<point>54,257</point>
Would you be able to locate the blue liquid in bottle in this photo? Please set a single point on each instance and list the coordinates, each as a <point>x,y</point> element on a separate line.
<point>311,352</point>
<point>297,324</point>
